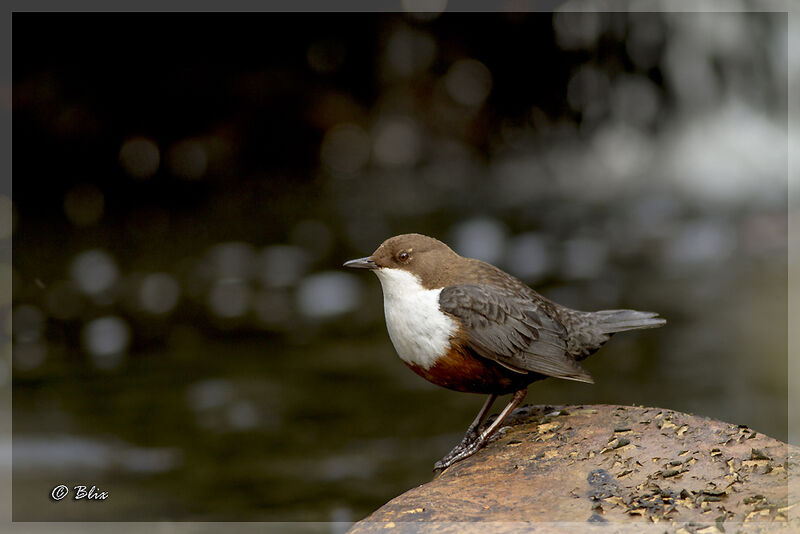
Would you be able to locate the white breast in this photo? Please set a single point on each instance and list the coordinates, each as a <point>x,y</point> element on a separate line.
<point>419,330</point>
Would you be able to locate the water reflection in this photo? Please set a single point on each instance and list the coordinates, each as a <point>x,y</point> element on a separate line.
<point>468,82</point>
<point>64,453</point>
<point>95,273</point>
<point>139,157</point>
<point>159,293</point>
<point>529,257</point>
<point>283,265</point>
<point>187,159</point>
<point>106,339</point>
<point>482,238</point>
<point>327,294</point>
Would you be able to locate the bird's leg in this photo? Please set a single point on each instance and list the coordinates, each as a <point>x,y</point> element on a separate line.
<point>471,447</point>
<point>472,432</point>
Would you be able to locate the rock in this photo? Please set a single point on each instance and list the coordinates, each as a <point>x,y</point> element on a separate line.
<point>606,464</point>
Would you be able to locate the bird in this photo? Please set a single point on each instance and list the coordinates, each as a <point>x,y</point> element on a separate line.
<point>468,326</point>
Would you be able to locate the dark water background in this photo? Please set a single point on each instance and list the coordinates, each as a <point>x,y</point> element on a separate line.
<point>186,188</point>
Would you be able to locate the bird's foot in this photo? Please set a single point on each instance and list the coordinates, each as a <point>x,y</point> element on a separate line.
<point>471,436</point>
<point>471,444</point>
<point>461,451</point>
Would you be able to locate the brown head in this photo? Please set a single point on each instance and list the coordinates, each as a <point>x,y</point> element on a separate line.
<point>429,259</point>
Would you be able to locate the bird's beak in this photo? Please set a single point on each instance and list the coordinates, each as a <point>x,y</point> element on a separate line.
<point>361,263</point>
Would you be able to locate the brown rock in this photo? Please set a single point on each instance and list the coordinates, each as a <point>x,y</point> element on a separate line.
<point>608,465</point>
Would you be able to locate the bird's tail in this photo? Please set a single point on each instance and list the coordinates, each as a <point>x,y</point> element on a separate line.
<point>610,321</point>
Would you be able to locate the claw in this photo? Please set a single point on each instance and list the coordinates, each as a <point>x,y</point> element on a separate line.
<point>459,453</point>
<point>468,446</point>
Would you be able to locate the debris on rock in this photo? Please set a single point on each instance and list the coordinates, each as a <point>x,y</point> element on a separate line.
<point>610,464</point>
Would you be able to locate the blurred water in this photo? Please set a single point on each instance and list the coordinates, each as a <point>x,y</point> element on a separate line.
<point>326,417</point>
<point>183,334</point>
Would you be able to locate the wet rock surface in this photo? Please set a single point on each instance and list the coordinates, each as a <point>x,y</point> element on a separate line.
<point>607,465</point>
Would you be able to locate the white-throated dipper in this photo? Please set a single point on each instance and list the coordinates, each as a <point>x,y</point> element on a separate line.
<point>466,325</point>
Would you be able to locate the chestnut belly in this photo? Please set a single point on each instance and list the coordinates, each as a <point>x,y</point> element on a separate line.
<point>461,370</point>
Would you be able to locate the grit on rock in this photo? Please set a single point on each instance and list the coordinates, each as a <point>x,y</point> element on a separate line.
<point>602,465</point>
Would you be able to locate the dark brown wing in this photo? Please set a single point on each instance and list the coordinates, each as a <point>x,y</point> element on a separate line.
<point>515,331</point>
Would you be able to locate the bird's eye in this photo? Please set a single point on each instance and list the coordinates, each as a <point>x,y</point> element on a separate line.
<point>403,257</point>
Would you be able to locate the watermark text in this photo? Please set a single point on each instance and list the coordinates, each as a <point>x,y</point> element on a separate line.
<point>90,493</point>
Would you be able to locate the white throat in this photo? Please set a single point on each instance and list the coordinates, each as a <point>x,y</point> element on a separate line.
<point>419,330</point>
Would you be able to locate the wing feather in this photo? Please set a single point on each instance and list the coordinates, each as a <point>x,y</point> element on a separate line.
<point>515,331</point>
